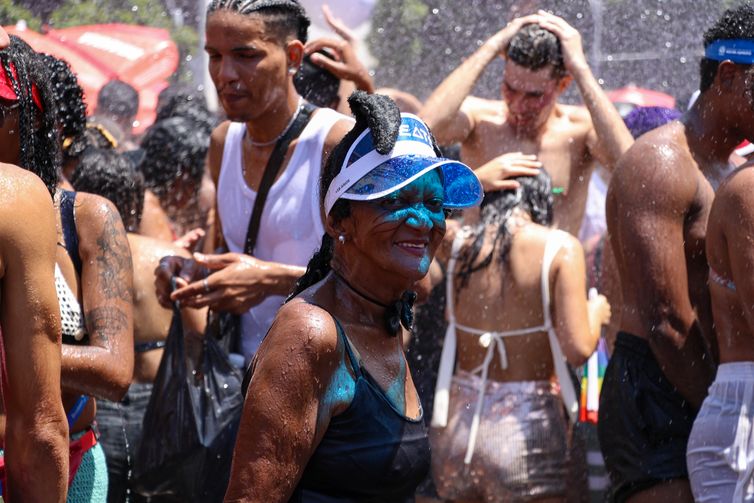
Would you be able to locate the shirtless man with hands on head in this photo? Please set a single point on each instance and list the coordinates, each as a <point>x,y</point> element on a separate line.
<point>529,129</point>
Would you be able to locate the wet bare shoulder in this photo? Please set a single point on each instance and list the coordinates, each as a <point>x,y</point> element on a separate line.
<point>658,158</point>
<point>307,332</point>
<point>336,133</point>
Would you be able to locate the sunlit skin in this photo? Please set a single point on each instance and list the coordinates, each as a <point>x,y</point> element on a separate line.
<point>730,254</point>
<point>508,296</point>
<point>528,129</point>
<point>657,209</point>
<point>388,246</point>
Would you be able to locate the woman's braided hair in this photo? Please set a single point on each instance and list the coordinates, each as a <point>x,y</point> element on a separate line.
<point>38,137</point>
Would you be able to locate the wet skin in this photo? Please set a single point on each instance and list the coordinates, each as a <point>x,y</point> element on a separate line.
<point>566,140</point>
<point>102,368</point>
<point>507,296</point>
<point>730,254</point>
<point>34,432</point>
<point>389,245</point>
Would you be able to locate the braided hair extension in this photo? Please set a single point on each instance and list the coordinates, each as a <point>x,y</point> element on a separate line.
<point>38,136</point>
<point>533,196</point>
<point>112,175</point>
<point>69,96</point>
<point>287,18</point>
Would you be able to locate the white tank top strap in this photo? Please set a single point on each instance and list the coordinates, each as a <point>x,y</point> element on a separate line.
<point>448,356</point>
<point>567,390</point>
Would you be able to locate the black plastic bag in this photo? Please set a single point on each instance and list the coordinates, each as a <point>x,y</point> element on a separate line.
<point>190,424</point>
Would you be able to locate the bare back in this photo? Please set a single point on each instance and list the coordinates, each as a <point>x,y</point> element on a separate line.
<point>506,297</point>
<point>561,146</point>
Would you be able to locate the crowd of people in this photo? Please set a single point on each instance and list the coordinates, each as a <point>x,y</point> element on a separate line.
<point>305,221</point>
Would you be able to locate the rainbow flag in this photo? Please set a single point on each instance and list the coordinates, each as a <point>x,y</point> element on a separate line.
<point>591,383</point>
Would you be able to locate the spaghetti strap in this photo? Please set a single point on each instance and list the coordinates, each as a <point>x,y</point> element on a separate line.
<point>355,362</point>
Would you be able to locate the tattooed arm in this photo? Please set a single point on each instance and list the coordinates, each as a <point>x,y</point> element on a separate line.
<point>104,367</point>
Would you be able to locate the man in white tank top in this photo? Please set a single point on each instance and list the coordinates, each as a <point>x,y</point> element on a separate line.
<point>254,51</point>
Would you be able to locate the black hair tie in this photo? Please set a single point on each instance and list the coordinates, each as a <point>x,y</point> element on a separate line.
<point>400,312</point>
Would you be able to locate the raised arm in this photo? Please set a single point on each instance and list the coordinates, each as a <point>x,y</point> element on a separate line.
<point>286,414</point>
<point>104,367</point>
<point>442,111</point>
<point>36,434</point>
<point>646,224</point>
<point>609,138</point>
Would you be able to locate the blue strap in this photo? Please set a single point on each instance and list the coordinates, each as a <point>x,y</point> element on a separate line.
<point>143,347</point>
<point>68,221</point>
<point>355,363</point>
<point>78,408</point>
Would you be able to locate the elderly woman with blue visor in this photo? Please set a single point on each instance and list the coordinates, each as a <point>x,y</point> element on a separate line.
<point>332,414</point>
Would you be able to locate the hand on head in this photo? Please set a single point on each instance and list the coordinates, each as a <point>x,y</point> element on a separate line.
<point>497,173</point>
<point>570,40</point>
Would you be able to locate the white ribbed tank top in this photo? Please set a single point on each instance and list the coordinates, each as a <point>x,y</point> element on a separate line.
<point>291,228</point>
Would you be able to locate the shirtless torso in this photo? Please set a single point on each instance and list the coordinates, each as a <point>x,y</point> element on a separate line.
<point>529,129</point>
<point>561,145</point>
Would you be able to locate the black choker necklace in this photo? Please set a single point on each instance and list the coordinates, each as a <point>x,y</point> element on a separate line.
<point>396,314</point>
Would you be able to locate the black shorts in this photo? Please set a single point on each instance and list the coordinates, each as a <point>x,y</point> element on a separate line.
<point>644,423</point>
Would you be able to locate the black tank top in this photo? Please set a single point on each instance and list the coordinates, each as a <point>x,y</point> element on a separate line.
<point>369,453</point>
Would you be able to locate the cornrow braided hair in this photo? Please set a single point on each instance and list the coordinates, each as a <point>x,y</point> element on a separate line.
<point>287,17</point>
<point>38,137</point>
<point>69,97</point>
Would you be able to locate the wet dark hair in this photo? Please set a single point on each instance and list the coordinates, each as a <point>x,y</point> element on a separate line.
<point>316,84</point>
<point>180,100</point>
<point>381,116</point>
<point>38,136</point>
<point>534,48</point>
<point>110,174</point>
<point>735,23</point>
<point>174,149</point>
<point>286,19</point>
<point>534,197</point>
<point>118,99</point>
<point>69,96</point>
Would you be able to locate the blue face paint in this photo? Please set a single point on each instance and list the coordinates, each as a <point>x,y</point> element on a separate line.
<point>340,390</point>
<point>419,206</point>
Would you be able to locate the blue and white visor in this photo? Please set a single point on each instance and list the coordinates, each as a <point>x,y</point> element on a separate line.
<point>367,175</point>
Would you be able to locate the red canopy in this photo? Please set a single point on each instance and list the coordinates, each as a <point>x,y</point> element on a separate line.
<point>142,56</point>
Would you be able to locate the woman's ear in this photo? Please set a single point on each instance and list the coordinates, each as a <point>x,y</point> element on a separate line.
<point>339,227</point>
